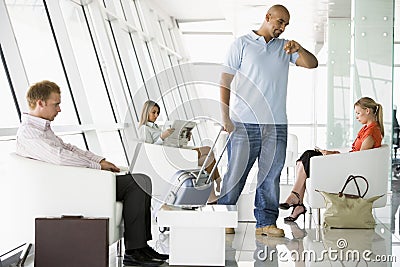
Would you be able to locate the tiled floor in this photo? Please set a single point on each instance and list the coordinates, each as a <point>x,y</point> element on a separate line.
<point>306,242</point>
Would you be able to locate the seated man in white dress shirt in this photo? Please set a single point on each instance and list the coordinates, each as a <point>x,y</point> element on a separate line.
<point>35,139</point>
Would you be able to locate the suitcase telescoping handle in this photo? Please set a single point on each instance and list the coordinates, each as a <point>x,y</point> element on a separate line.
<point>203,167</point>
<point>219,159</point>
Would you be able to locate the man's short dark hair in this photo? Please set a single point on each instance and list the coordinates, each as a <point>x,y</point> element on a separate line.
<point>41,91</point>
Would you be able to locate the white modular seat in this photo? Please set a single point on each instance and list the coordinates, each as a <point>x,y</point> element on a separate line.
<point>329,173</point>
<point>33,188</point>
<point>160,163</point>
<point>206,228</point>
<point>39,189</point>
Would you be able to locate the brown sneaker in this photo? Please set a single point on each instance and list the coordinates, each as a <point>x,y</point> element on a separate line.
<point>229,231</point>
<point>270,230</point>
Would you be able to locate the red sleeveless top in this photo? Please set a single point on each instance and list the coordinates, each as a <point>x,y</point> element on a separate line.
<point>373,130</point>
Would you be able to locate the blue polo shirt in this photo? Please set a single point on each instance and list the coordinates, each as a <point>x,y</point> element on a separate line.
<point>259,89</point>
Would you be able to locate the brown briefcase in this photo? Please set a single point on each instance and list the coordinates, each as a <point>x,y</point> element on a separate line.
<point>71,241</point>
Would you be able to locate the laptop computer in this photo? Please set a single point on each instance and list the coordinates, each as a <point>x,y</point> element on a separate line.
<point>128,170</point>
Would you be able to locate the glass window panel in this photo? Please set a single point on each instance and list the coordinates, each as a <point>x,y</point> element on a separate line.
<point>137,90</point>
<point>372,46</point>
<point>206,26</point>
<point>308,136</point>
<point>159,34</point>
<point>154,54</point>
<point>166,34</point>
<point>153,83</point>
<point>141,67</point>
<point>143,46</point>
<point>175,44</point>
<point>382,94</point>
<point>119,93</point>
<point>367,86</point>
<point>363,68</point>
<point>87,62</point>
<point>341,105</point>
<point>179,79</point>
<point>139,97</point>
<point>168,87</point>
<point>7,106</point>
<point>134,10</point>
<point>396,89</point>
<point>396,59</point>
<point>112,148</point>
<point>183,79</point>
<point>397,21</point>
<point>40,57</point>
<point>174,87</point>
<point>172,106</point>
<point>380,71</point>
<point>300,95</point>
<point>73,139</point>
<point>163,76</point>
<point>320,94</point>
<point>305,138</point>
<point>180,89</point>
<point>119,10</point>
<point>214,50</point>
<point>137,68</point>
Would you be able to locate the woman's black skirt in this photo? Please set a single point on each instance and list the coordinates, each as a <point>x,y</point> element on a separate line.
<point>305,159</point>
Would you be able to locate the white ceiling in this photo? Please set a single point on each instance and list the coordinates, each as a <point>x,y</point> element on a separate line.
<point>307,22</point>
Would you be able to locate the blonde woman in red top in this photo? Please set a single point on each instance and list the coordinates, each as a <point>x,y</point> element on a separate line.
<point>367,112</point>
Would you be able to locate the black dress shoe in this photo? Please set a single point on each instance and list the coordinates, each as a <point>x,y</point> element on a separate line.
<point>139,258</point>
<point>154,254</point>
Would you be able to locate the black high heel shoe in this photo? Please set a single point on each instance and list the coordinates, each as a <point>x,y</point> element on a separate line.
<point>293,219</point>
<point>286,206</point>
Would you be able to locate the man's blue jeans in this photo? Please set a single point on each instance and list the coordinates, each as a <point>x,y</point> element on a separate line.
<point>248,142</point>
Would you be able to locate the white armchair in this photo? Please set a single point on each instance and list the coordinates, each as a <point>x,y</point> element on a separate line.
<point>33,188</point>
<point>160,163</point>
<point>328,173</point>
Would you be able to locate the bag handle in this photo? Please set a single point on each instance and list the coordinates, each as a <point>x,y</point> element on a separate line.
<point>354,178</point>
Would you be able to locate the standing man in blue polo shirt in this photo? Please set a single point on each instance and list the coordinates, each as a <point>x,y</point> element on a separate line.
<point>256,116</point>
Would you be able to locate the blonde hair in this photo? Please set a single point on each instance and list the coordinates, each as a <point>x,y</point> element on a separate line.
<point>147,106</point>
<point>41,91</point>
<point>376,108</point>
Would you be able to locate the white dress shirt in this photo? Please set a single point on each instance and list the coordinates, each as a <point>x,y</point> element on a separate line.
<point>150,133</point>
<point>36,140</point>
